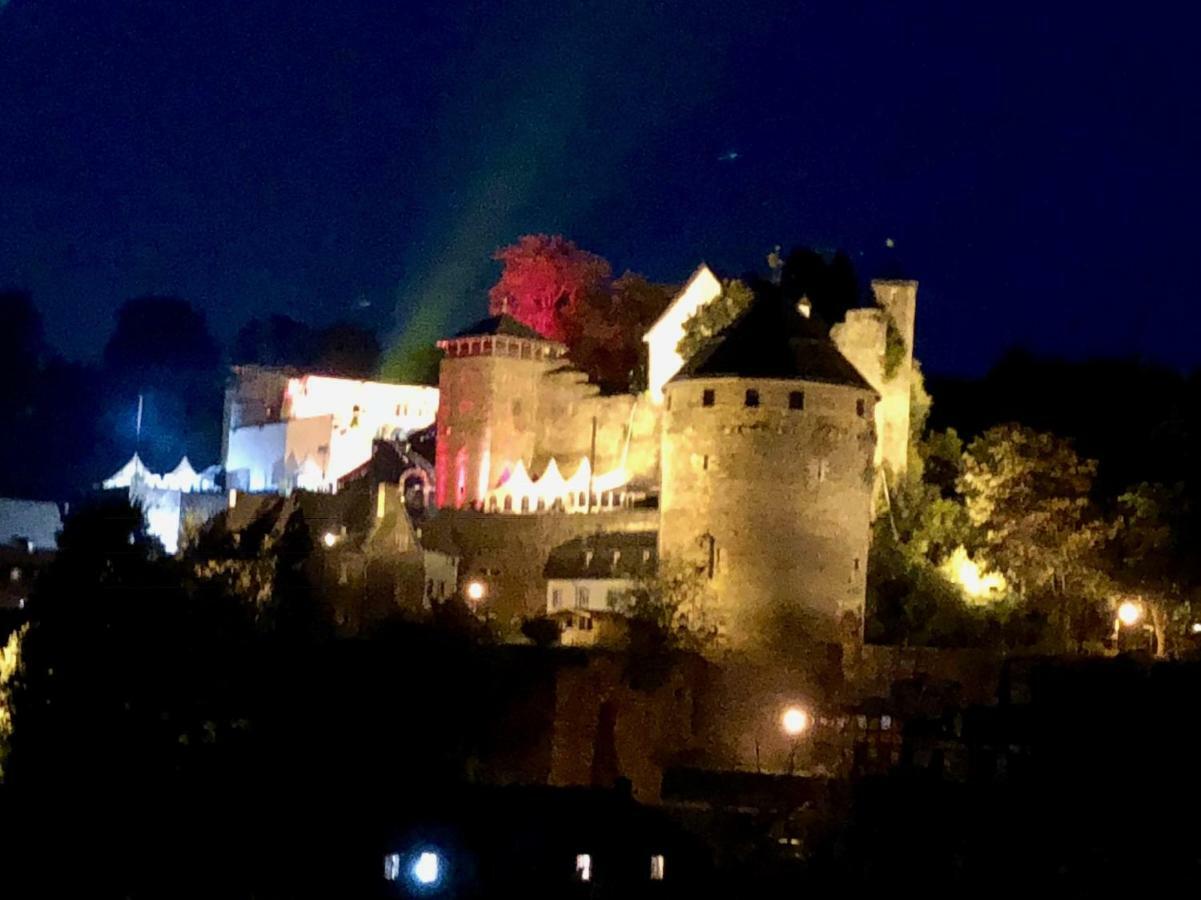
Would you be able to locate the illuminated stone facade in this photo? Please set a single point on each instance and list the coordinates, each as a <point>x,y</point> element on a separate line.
<point>762,453</point>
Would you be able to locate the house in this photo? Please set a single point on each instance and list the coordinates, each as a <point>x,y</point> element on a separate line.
<point>28,540</point>
<point>587,579</point>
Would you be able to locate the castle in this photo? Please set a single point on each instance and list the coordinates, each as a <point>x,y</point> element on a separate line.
<point>757,461</point>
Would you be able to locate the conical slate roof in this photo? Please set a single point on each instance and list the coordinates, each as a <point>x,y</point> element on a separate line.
<point>772,339</point>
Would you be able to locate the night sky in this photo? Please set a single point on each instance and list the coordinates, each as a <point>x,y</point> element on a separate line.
<point>1035,164</point>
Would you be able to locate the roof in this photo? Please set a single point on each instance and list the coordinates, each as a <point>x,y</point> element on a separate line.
<point>35,521</point>
<point>772,339</point>
<point>675,298</point>
<point>502,324</point>
<point>608,554</point>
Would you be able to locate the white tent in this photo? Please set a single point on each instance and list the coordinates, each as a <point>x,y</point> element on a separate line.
<point>182,478</point>
<point>125,476</point>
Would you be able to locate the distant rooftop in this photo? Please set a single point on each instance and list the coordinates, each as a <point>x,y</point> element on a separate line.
<point>35,521</point>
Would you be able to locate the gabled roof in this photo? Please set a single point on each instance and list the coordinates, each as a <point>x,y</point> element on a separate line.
<point>502,324</point>
<point>772,339</point>
<point>696,273</point>
<point>609,554</point>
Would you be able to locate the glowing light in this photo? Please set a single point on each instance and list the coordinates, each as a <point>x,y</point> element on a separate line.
<point>657,867</point>
<point>1197,628</point>
<point>583,866</point>
<point>794,721</point>
<point>392,867</point>
<point>973,580</point>
<point>426,868</point>
<point>476,591</point>
<point>1130,613</point>
<point>329,538</point>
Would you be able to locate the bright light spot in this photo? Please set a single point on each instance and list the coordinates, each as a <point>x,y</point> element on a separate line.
<point>657,867</point>
<point>794,721</point>
<point>425,870</point>
<point>1197,628</point>
<point>974,581</point>
<point>330,539</point>
<point>476,591</point>
<point>583,866</point>
<point>391,867</point>
<point>1130,613</point>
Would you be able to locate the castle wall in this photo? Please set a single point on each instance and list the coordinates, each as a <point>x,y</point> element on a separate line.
<point>508,552</point>
<point>862,339</point>
<point>774,501</point>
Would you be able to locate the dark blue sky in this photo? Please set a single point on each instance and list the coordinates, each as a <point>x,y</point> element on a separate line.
<point>1037,167</point>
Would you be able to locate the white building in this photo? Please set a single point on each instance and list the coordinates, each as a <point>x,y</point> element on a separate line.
<point>587,579</point>
<point>285,431</point>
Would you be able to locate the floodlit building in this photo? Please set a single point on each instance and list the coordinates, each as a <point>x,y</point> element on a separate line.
<point>285,430</point>
<point>28,540</point>
<point>758,460</point>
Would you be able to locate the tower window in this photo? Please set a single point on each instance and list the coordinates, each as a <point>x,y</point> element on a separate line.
<point>752,397</point>
<point>708,396</point>
<point>796,399</point>
<point>581,598</point>
<point>705,462</point>
<point>860,408</point>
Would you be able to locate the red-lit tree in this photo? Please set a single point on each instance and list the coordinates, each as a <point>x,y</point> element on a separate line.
<point>546,280</point>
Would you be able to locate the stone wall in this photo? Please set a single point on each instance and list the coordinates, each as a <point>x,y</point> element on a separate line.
<point>509,552</point>
<point>774,501</point>
<point>862,339</point>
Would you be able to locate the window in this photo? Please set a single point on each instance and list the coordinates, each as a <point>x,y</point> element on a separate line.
<point>585,623</point>
<point>856,564</point>
<point>508,502</point>
<point>705,462</point>
<point>669,402</point>
<point>613,600</point>
<point>823,470</point>
<point>860,408</point>
<point>392,867</point>
<point>796,399</point>
<point>556,598</point>
<point>15,574</point>
<point>708,396</point>
<point>525,504</point>
<point>583,867</point>
<point>582,500</point>
<point>752,397</point>
<point>657,867</point>
<point>581,598</point>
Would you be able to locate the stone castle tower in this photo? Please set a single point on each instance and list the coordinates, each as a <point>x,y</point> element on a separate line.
<point>489,384</point>
<point>863,338</point>
<point>767,462</point>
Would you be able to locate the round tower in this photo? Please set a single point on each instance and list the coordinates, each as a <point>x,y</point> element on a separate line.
<point>767,473</point>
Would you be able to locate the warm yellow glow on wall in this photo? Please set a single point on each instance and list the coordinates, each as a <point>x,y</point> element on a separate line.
<point>974,581</point>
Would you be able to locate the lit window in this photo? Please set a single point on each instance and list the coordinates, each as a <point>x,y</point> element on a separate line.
<point>556,598</point>
<point>581,598</point>
<point>823,470</point>
<point>708,396</point>
<point>657,867</point>
<point>392,867</point>
<point>796,399</point>
<point>583,866</point>
<point>752,397</point>
<point>15,574</point>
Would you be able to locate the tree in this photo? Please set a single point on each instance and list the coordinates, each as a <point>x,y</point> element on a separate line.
<point>545,280</point>
<point>1027,493</point>
<point>274,341</point>
<point>674,608</point>
<point>715,317</point>
<point>348,351</point>
<point>604,338</point>
<point>1147,559</point>
<point>830,283</point>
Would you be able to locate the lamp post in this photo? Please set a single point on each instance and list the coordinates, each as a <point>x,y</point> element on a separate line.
<point>794,722</point>
<point>1130,614</point>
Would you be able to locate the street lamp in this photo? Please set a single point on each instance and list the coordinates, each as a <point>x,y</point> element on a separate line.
<point>794,722</point>
<point>1130,613</point>
<point>330,538</point>
<point>476,590</point>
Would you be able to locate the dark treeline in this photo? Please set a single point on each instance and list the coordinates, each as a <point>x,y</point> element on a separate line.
<point>71,424</point>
